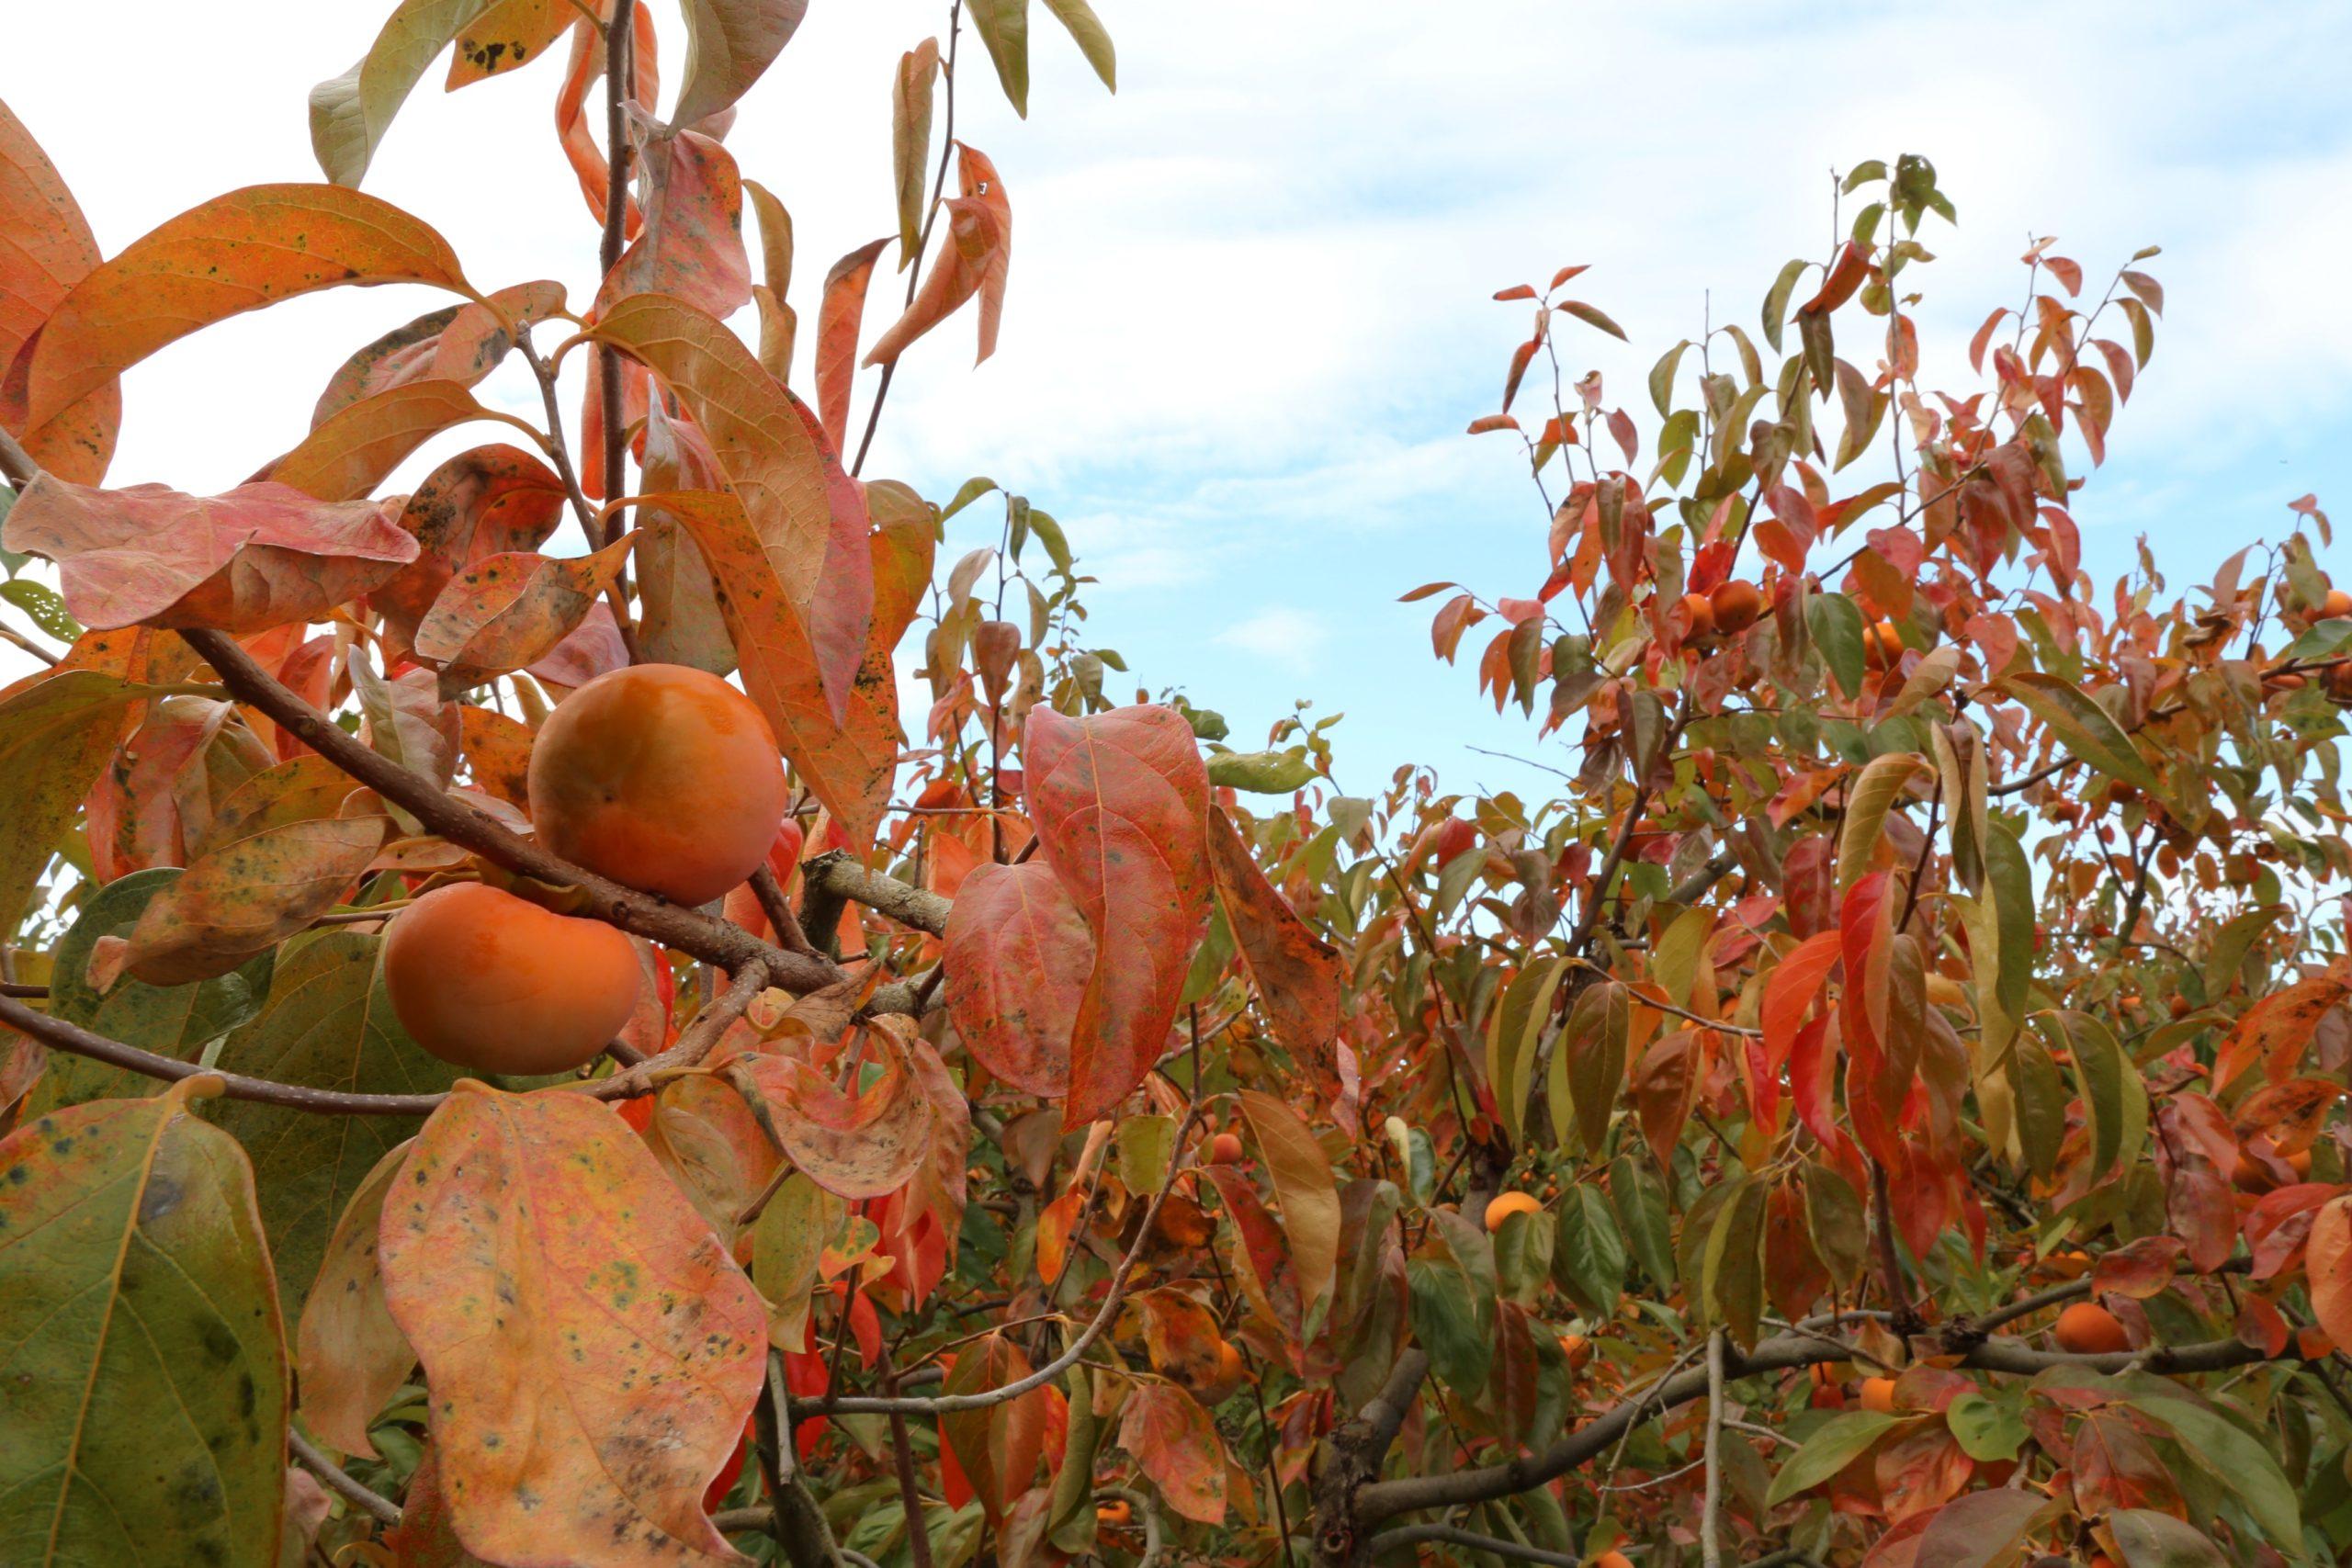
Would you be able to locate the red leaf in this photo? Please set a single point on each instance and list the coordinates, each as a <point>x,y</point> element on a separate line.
<point>1018,957</point>
<point>2327,1264</point>
<point>839,313</point>
<point>1296,973</point>
<point>997,1445</point>
<point>1121,804</point>
<point>261,555</point>
<point>1177,1444</point>
<point>1845,275</point>
<point>487,501</point>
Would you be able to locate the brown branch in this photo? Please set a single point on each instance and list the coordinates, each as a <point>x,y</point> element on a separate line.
<point>326,1470</point>
<point>15,463</point>
<point>620,34</point>
<point>778,909</point>
<point>838,873</point>
<point>1386,1499</point>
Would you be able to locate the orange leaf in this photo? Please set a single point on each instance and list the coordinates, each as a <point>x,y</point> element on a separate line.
<point>507,612</point>
<point>691,246</point>
<point>808,514</point>
<point>234,254</point>
<point>839,313</point>
<point>349,453</point>
<point>1121,804</point>
<point>1176,1442</point>
<point>976,260</point>
<point>855,1146</point>
<point>47,249</point>
<point>483,502</point>
<point>590,1350</point>
<point>351,1355</point>
<point>997,1447</point>
<point>2327,1263</point>
<point>458,343</point>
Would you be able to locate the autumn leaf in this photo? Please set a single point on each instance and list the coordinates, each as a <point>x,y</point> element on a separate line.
<point>859,1144</point>
<point>1296,972</point>
<point>1305,1191</point>
<point>57,729</point>
<point>840,311</point>
<point>352,1357</point>
<point>807,513</point>
<point>691,246</point>
<point>505,35</point>
<point>1177,1444</point>
<point>1120,804</point>
<point>576,129</point>
<point>353,451</point>
<point>456,343</point>
<point>911,95</point>
<point>1018,958</point>
<point>260,555</point>
<point>2328,1267</point>
<point>590,1350</point>
<point>679,621</point>
<point>729,43</point>
<point>996,1447</point>
<point>487,501</point>
<point>1003,27</point>
<point>46,248</point>
<point>233,253</point>
<point>506,612</point>
<point>134,1279</point>
<point>975,260</point>
<point>350,113</point>
<point>286,846</point>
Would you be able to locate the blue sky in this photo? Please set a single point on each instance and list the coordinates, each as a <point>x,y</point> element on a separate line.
<point>1250,311</point>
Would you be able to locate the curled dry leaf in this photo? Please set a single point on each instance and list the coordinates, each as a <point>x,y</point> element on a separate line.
<point>1120,804</point>
<point>134,1279</point>
<point>287,844</point>
<point>233,253</point>
<point>590,1350</point>
<point>808,514</point>
<point>976,259</point>
<point>260,555</point>
<point>858,1145</point>
<point>46,248</point>
<point>506,612</point>
<point>1018,957</point>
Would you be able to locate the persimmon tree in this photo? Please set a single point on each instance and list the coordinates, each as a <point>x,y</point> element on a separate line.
<point>533,1059</point>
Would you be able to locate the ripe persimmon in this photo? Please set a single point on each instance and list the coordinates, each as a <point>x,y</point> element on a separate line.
<point>2087,1328</point>
<point>1115,1513</point>
<point>2337,602</point>
<point>1878,1394</point>
<point>660,776</point>
<point>1699,611</point>
<point>1882,643</point>
<point>495,984</point>
<point>1505,1204</point>
<point>1613,1558</point>
<point>1576,1348</point>
<point>1735,604</point>
<point>1224,1149</point>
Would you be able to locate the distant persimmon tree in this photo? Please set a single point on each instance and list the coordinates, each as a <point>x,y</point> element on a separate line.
<point>534,1059</point>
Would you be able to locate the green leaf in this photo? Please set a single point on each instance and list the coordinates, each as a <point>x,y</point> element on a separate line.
<point>1837,626</point>
<point>1662,378</point>
<point>1523,1251</point>
<point>146,1369</point>
<point>329,1024</point>
<point>1588,1252</point>
<point>1070,1510</point>
<point>1512,1034</point>
<point>1004,27</point>
<point>1094,41</point>
<point>350,113</point>
<point>57,728</point>
<point>970,491</point>
<point>2086,727</point>
<point>42,603</point>
<point>1446,1324</point>
<point>1262,772</point>
<point>1732,1271</point>
<point>2230,944</point>
<point>1775,300</point>
<point>1640,1202</point>
<point>1871,795</point>
<point>2243,1466</point>
<point>1833,1217</point>
<point>1985,1431</point>
<point>1985,1528</point>
<point>1595,1041</point>
<point>1863,174</point>
<point>730,44</point>
<point>1838,1444</point>
<point>2115,1099</point>
<point>171,1020</point>
<point>2150,1540</point>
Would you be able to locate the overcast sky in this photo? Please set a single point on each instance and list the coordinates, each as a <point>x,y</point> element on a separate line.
<point>1250,311</point>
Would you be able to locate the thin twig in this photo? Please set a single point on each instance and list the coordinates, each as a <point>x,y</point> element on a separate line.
<point>326,1470</point>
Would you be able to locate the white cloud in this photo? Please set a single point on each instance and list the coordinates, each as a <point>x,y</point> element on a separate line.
<point>1280,633</point>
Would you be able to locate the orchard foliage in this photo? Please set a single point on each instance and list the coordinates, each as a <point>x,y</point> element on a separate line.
<point>1883,1110</point>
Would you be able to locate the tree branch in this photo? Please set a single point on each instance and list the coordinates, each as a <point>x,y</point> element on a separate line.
<point>1451,1535</point>
<point>689,930</point>
<point>838,873</point>
<point>327,1471</point>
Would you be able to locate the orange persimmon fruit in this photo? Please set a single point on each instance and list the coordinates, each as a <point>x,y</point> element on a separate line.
<point>495,984</point>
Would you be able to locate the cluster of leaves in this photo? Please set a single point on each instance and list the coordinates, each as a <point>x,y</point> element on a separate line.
<point>1077,1160</point>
